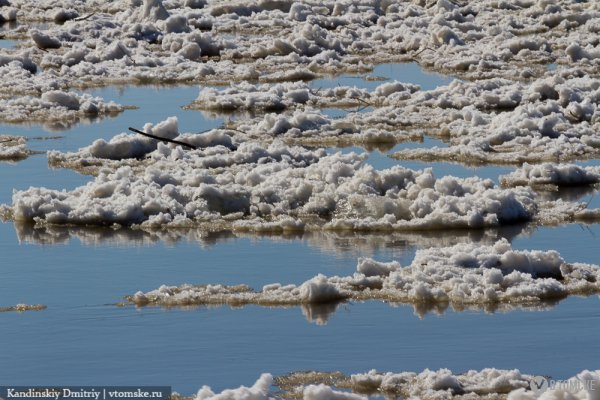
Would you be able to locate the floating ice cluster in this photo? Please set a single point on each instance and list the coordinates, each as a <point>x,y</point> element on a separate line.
<point>552,118</point>
<point>464,274</point>
<point>489,383</point>
<point>247,186</point>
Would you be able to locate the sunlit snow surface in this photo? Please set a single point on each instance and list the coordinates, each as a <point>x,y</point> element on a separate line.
<point>497,294</point>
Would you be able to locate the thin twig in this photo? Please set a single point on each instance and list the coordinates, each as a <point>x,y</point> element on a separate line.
<point>364,102</point>
<point>589,201</point>
<point>84,18</point>
<point>420,51</point>
<point>235,130</point>
<point>315,93</point>
<point>163,139</point>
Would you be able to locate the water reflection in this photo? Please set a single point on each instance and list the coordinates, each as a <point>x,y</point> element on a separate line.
<point>571,194</point>
<point>321,313</point>
<point>346,242</point>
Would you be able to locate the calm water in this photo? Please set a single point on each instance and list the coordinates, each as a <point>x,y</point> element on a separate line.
<point>84,339</point>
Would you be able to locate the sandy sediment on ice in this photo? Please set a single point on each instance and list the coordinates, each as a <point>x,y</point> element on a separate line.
<point>56,105</point>
<point>488,383</point>
<point>13,148</point>
<point>552,174</point>
<point>464,274</point>
<point>247,186</point>
<point>24,307</point>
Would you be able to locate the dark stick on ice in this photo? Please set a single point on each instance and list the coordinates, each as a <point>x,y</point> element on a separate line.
<point>422,50</point>
<point>163,139</point>
<point>84,18</point>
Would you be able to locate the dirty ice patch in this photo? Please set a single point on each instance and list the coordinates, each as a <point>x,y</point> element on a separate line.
<point>464,275</point>
<point>56,105</point>
<point>23,307</point>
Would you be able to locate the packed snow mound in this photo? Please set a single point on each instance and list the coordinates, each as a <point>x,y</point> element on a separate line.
<point>13,148</point>
<point>464,274</point>
<point>56,105</point>
<point>442,384</point>
<point>552,174</point>
<point>248,186</point>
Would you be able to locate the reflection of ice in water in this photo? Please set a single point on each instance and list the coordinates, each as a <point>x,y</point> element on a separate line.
<point>330,242</point>
<point>402,72</point>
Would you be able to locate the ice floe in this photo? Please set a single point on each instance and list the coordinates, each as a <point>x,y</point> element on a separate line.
<point>441,384</point>
<point>463,275</point>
